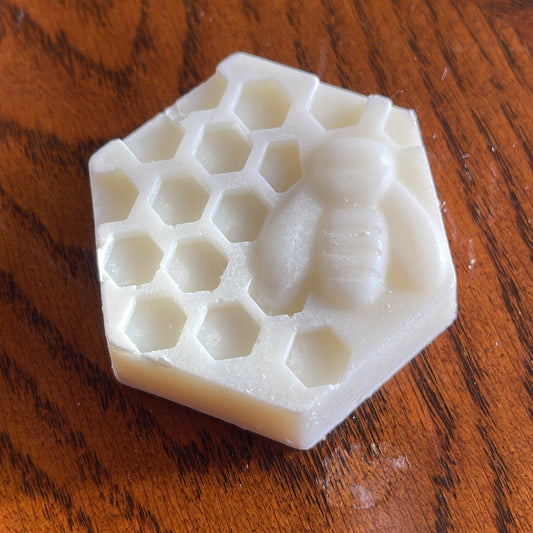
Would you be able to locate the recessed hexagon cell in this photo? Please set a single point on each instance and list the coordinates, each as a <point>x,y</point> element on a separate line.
<point>197,266</point>
<point>205,96</point>
<point>157,140</point>
<point>281,165</point>
<point>228,332</point>
<point>336,108</point>
<point>133,260</point>
<point>223,149</point>
<point>402,126</point>
<point>262,105</point>
<point>318,358</point>
<point>155,323</point>
<point>240,215</point>
<point>180,199</point>
<point>113,195</point>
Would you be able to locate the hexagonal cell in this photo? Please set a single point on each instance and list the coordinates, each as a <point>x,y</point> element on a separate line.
<point>133,260</point>
<point>240,216</point>
<point>205,96</point>
<point>270,304</point>
<point>402,126</point>
<point>223,149</point>
<point>113,196</point>
<point>157,140</point>
<point>155,323</point>
<point>262,105</point>
<point>180,199</point>
<point>318,357</point>
<point>336,108</point>
<point>281,165</point>
<point>197,266</point>
<point>228,332</point>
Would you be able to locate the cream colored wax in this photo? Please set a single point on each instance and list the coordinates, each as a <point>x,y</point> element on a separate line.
<point>271,249</point>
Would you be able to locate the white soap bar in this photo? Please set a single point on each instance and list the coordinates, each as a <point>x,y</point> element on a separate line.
<point>271,249</point>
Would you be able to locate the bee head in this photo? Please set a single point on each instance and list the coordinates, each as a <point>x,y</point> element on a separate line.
<point>351,170</point>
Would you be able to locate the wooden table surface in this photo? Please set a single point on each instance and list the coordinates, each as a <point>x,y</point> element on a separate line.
<point>445,445</point>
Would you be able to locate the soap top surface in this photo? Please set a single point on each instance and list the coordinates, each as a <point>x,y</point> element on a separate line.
<point>270,234</point>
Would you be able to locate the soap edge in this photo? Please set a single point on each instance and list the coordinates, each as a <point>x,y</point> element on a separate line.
<point>131,368</point>
<point>193,392</point>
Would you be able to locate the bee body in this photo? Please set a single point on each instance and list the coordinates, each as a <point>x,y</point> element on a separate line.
<point>352,254</point>
<point>339,246</point>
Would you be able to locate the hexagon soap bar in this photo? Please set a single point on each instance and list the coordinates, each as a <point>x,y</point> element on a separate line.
<point>271,249</point>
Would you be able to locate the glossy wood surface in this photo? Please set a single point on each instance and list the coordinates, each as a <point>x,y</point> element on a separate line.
<point>446,445</point>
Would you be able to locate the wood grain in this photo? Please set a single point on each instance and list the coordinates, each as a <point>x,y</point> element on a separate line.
<point>444,446</point>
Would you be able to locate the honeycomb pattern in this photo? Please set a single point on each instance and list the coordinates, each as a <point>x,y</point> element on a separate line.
<point>180,199</point>
<point>197,266</point>
<point>114,196</point>
<point>262,105</point>
<point>223,149</point>
<point>182,206</point>
<point>240,215</point>
<point>155,323</point>
<point>205,96</point>
<point>281,166</point>
<point>133,260</point>
<point>334,108</point>
<point>318,357</point>
<point>157,141</point>
<point>228,332</point>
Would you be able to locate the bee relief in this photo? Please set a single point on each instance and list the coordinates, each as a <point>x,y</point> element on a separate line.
<point>341,229</point>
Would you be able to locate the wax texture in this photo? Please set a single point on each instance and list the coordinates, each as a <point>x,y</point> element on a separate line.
<point>271,249</point>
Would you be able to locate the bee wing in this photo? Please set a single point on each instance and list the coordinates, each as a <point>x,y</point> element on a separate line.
<point>417,247</point>
<point>284,250</point>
